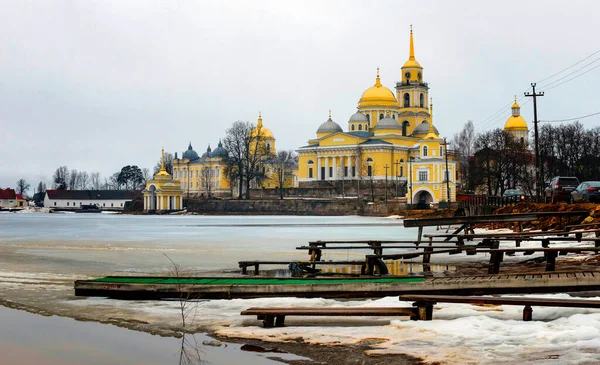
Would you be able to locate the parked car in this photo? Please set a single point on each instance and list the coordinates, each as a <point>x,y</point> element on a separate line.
<point>587,191</point>
<point>515,195</point>
<point>560,188</point>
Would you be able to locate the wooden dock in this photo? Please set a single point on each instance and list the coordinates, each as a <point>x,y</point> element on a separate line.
<point>364,287</point>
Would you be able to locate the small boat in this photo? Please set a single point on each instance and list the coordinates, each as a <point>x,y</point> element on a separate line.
<point>89,208</point>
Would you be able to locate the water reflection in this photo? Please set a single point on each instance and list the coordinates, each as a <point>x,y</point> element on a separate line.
<point>395,267</point>
<point>190,353</point>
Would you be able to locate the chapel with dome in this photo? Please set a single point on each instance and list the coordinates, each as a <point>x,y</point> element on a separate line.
<point>516,124</point>
<point>391,137</point>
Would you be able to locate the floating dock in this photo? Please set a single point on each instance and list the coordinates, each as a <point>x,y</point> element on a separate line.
<point>128,287</point>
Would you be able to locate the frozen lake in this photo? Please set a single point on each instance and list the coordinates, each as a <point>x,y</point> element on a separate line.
<point>111,243</point>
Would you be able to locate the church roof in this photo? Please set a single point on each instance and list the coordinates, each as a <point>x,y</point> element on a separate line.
<point>375,141</point>
<point>360,134</point>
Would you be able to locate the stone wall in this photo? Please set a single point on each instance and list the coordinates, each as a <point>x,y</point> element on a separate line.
<point>334,189</point>
<point>293,207</point>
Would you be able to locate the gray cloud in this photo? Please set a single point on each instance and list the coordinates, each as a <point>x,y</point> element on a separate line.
<point>96,85</point>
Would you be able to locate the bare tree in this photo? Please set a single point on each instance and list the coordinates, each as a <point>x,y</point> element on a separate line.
<point>84,180</point>
<point>465,142</point>
<point>95,181</point>
<point>22,186</point>
<point>247,153</point>
<point>146,174</point>
<point>61,178</point>
<point>206,180</point>
<point>74,180</point>
<point>283,167</point>
<point>41,188</point>
<point>168,163</point>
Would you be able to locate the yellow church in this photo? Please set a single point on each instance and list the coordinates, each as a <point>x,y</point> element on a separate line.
<point>207,175</point>
<point>391,135</point>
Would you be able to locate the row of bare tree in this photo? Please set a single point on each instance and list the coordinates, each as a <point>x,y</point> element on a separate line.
<point>494,161</point>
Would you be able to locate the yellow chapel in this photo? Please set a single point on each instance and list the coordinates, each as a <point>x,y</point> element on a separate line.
<point>162,193</point>
<point>516,124</point>
<point>390,136</point>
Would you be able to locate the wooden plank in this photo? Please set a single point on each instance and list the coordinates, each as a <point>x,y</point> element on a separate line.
<point>331,311</point>
<point>545,302</point>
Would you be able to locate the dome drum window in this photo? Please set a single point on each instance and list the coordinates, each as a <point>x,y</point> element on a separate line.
<point>424,151</point>
<point>406,100</point>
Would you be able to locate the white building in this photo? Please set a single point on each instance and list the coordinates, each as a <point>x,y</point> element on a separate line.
<point>74,199</point>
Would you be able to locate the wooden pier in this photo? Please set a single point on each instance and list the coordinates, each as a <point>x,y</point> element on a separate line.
<point>364,287</point>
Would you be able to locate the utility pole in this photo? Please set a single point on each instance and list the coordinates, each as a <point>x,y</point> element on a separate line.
<point>386,167</point>
<point>539,165</point>
<point>447,172</point>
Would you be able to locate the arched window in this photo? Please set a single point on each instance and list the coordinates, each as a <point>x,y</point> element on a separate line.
<point>394,116</point>
<point>360,127</point>
<point>268,147</point>
<point>352,127</point>
<point>366,127</point>
<point>441,151</point>
<point>310,162</point>
<point>424,151</point>
<point>406,100</point>
<point>369,117</point>
<point>405,126</point>
<point>380,116</point>
<point>369,160</point>
<point>422,101</point>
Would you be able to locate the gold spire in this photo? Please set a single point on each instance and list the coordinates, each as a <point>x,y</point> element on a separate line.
<point>412,45</point>
<point>377,79</point>
<point>259,120</point>
<point>162,171</point>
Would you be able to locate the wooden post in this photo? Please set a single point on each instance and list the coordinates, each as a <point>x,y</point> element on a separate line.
<point>426,260</point>
<point>424,310</point>
<point>279,321</point>
<point>495,260</point>
<point>256,269</point>
<point>545,243</point>
<point>420,233</point>
<point>268,321</point>
<point>550,260</point>
<point>527,313</point>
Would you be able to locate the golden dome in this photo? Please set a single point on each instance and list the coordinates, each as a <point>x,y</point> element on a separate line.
<point>264,131</point>
<point>377,95</point>
<point>515,123</point>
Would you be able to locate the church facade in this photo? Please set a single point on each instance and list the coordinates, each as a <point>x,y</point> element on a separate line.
<point>390,137</point>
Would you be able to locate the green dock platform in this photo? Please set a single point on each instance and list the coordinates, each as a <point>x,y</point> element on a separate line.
<point>136,287</point>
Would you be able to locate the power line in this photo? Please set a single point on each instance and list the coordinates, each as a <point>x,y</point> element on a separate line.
<point>573,65</point>
<point>573,78</point>
<point>574,72</point>
<point>507,113</point>
<point>569,119</point>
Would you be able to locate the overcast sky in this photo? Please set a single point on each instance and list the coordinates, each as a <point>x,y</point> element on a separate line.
<point>96,85</point>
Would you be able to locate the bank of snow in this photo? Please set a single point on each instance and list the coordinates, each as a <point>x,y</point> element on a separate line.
<point>459,333</point>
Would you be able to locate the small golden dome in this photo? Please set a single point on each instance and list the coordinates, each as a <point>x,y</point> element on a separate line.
<point>515,123</point>
<point>377,95</point>
<point>412,64</point>
<point>264,131</point>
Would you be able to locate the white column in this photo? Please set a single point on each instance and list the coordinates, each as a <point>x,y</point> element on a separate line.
<point>333,160</point>
<point>357,166</point>
<point>348,163</point>
<point>145,203</point>
<point>318,174</point>
<point>327,177</point>
<point>181,202</point>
